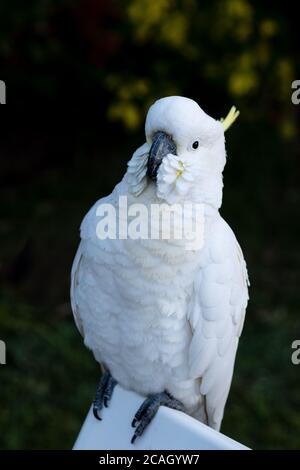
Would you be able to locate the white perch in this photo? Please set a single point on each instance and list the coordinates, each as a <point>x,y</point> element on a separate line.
<point>170,429</point>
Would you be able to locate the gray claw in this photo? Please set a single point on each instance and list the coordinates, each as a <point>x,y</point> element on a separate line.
<point>148,410</point>
<point>103,393</point>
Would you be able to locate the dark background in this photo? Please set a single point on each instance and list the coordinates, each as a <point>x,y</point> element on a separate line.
<point>80,76</point>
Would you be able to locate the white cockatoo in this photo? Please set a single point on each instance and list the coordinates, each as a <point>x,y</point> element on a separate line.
<point>164,320</point>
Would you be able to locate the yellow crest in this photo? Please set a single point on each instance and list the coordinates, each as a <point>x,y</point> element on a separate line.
<point>230,118</point>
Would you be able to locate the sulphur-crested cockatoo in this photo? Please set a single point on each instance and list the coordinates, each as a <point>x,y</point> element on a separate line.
<point>162,319</point>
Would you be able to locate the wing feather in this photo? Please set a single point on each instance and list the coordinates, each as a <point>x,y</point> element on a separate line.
<point>74,283</point>
<point>216,319</point>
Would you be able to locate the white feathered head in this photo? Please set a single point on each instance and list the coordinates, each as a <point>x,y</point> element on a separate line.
<point>184,154</point>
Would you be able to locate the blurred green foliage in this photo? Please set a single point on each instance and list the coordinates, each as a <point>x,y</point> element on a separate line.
<point>134,51</point>
<point>120,56</point>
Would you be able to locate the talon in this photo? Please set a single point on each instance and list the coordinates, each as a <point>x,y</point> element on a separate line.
<point>103,394</point>
<point>95,413</point>
<point>148,410</point>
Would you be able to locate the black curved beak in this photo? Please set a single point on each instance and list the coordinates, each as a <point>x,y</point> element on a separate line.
<point>162,145</point>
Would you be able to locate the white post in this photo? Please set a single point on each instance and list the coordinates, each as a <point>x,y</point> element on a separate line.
<point>170,429</point>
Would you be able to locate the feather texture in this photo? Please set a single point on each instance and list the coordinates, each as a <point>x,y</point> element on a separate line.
<point>159,316</point>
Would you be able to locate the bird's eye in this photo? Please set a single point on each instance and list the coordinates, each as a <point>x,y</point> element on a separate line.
<point>195,144</point>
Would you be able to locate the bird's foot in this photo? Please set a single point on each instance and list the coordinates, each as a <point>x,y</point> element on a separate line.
<point>148,410</point>
<point>103,393</point>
